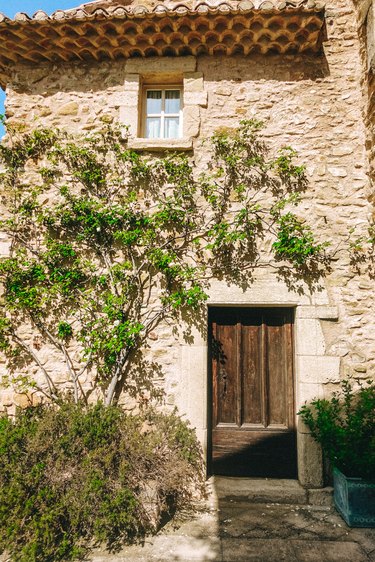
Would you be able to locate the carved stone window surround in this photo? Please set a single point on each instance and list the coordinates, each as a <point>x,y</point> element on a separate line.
<point>161,70</point>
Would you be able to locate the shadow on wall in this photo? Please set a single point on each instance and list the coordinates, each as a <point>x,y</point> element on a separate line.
<point>371,124</point>
<point>89,77</point>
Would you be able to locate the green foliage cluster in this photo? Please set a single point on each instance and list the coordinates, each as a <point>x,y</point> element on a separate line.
<point>295,240</point>
<point>74,476</point>
<point>345,428</point>
<point>107,243</point>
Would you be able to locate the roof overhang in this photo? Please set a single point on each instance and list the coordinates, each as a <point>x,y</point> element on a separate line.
<point>96,34</point>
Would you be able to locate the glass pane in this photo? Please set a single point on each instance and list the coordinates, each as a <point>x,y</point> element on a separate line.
<point>153,127</point>
<point>171,126</point>
<point>172,101</point>
<point>153,101</point>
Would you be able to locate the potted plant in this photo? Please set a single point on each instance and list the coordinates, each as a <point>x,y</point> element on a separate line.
<point>344,425</point>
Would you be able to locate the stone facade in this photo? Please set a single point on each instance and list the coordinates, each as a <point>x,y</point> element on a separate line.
<point>366,29</point>
<point>314,103</point>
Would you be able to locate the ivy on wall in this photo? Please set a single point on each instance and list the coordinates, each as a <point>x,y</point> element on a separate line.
<point>107,243</point>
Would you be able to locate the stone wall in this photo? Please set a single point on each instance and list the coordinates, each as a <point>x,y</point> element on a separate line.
<point>365,10</point>
<point>314,104</point>
<point>370,82</point>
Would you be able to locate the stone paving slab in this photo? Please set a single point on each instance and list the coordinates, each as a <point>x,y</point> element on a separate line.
<point>307,551</point>
<point>245,532</point>
<point>259,490</point>
<point>291,551</point>
<point>234,529</point>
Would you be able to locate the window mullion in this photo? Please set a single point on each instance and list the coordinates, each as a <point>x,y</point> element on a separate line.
<point>162,135</point>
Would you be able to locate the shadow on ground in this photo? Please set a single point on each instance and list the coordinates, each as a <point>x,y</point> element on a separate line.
<point>251,529</point>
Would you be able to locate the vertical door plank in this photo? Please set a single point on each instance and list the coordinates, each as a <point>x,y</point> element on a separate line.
<point>276,369</point>
<point>238,370</point>
<point>289,362</point>
<point>225,357</point>
<point>250,366</point>
<point>214,372</point>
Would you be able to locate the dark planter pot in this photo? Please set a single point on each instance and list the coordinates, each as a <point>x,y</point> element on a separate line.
<point>354,499</point>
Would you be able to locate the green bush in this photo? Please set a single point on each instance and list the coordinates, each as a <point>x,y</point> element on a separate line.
<point>345,428</point>
<point>74,476</point>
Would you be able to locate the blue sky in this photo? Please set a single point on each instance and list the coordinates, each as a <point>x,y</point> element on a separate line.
<point>11,7</point>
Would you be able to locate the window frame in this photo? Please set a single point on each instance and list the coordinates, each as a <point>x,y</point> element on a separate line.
<point>163,88</point>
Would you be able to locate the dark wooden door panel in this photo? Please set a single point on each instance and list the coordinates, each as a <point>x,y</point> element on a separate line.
<point>252,388</point>
<point>251,352</point>
<point>266,455</point>
<point>276,371</point>
<point>225,366</point>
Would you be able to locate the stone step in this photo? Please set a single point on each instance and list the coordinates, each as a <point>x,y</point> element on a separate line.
<point>266,490</point>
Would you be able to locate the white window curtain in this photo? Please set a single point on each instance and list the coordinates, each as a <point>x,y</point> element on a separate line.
<point>163,114</point>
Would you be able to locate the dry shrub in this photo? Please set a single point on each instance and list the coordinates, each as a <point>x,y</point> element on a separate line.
<point>72,476</point>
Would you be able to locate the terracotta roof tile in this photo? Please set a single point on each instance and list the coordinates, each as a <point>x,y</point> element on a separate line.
<point>123,8</point>
<point>117,29</point>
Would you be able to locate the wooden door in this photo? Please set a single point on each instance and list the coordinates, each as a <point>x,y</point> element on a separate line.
<point>253,418</point>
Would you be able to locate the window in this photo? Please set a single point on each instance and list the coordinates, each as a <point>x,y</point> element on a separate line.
<point>163,113</point>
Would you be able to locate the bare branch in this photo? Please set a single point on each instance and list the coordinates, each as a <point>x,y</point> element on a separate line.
<point>51,387</point>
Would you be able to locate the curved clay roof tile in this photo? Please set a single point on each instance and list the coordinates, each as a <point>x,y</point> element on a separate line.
<point>246,5</point>
<point>120,28</point>
<point>40,15</point>
<point>21,16</point>
<point>59,15</point>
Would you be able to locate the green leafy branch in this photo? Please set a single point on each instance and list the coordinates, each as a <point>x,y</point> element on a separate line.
<point>106,243</point>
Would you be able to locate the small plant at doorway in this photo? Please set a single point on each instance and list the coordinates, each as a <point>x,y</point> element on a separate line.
<point>74,476</point>
<point>344,425</point>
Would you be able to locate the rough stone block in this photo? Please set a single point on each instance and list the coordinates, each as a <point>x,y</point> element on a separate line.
<point>265,290</point>
<point>342,150</point>
<point>70,108</point>
<point>371,36</point>
<point>309,337</point>
<point>124,97</point>
<point>307,392</point>
<point>131,83</point>
<point>327,312</point>
<point>193,82</point>
<point>322,497</point>
<point>195,98</point>
<point>310,461</point>
<point>258,490</point>
<point>338,172</point>
<point>223,91</point>
<point>131,99</point>
<point>363,9</point>
<point>160,144</point>
<point>194,381</point>
<point>202,438</point>
<point>22,400</point>
<point>318,369</point>
<point>7,398</point>
<point>320,312</point>
<point>191,121</point>
<point>306,311</point>
<point>129,117</point>
<point>161,64</point>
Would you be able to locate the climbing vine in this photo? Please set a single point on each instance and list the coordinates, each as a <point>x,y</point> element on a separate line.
<point>106,243</point>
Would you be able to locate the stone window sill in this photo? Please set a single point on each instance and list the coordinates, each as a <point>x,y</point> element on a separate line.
<point>160,144</point>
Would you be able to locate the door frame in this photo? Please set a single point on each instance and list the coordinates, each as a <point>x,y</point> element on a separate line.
<point>209,411</point>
